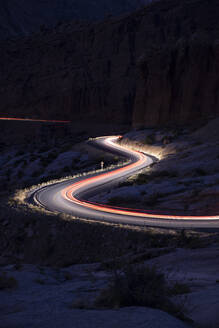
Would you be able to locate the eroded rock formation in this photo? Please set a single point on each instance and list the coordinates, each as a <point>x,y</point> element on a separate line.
<point>159,65</point>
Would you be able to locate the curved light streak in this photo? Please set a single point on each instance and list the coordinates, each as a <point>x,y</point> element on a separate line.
<point>72,192</point>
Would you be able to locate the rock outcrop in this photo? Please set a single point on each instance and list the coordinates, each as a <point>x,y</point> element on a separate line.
<point>27,16</point>
<point>158,66</point>
<point>178,84</point>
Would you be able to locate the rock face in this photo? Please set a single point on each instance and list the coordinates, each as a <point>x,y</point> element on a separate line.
<point>158,66</point>
<point>178,85</point>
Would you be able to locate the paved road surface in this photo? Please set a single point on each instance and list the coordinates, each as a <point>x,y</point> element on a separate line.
<point>68,197</point>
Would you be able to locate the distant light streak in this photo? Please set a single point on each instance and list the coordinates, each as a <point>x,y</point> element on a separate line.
<point>31,120</point>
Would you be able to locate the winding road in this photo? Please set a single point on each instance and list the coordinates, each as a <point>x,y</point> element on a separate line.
<point>69,196</point>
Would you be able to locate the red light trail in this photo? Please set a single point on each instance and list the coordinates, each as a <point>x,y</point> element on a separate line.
<point>71,191</point>
<point>31,120</point>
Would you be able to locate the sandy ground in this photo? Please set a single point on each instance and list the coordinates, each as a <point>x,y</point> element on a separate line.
<point>45,297</point>
<point>199,269</point>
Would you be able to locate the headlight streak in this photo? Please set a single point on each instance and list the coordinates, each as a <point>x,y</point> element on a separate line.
<point>72,192</point>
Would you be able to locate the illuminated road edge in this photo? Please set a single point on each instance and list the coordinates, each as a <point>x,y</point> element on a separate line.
<point>72,192</point>
<point>70,196</point>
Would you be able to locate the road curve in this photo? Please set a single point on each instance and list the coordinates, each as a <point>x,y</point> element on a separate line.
<point>68,197</point>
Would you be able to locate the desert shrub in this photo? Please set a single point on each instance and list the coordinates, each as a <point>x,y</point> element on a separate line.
<point>36,174</point>
<point>116,200</point>
<point>68,275</point>
<point>40,281</point>
<point>152,199</point>
<point>7,282</point>
<point>138,286</point>
<point>32,158</point>
<point>77,160</point>
<point>142,178</point>
<point>66,169</point>
<point>44,162</point>
<point>24,163</point>
<point>79,304</point>
<point>19,153</point>
<point>199,172</point>
<point>112,264</point>
<point>50,157</point>
<point>43,149</point>
<point>149,140</point>
<point>119,200</point>
<point>190,241</point>
<point>164,173</point>
<point>125,183</point>
<point>17,162</point>
<point>65,148</point>
<point>8,172</point>
<point>20,174</point>
<point>179,289</point>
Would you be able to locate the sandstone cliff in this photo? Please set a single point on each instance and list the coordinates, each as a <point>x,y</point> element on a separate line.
<point>159,65</point>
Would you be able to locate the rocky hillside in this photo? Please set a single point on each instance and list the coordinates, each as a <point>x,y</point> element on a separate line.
<point>159,65</point>
<point>19,17</point>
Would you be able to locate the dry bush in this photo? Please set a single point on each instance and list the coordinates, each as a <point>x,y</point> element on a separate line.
<point>7,282</point>
<point>139,286</point>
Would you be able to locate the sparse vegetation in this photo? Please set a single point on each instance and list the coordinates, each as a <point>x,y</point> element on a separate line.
<point>33,157</point>
<point>138,258</point>
<point>199,172</point>
<point>66,169</point>
<point>20,153</point>
<point>120,200</point>
<point>57,248</point>
<point>24,164</point>
<point>138,286</point>
<point>20,174</point>
<point>79,304</point>
<point>191,241</point>
<point>37,173</point>
<point>144,178</point>
<point>149,140</point>
<point>46,160</point>
<point>65,147</point>
<point>7,282</point>
<point>40,281</point>
<point>152,199</point>
<point>126,183</point>
<point>68,275</point>
<point>17,162</point>
<point>179,288</point>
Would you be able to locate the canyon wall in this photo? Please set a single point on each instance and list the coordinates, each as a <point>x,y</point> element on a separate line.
<point>157,66</point>
<point>178,85</point>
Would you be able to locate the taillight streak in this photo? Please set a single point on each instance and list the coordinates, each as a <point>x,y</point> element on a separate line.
<point>71,191</point>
